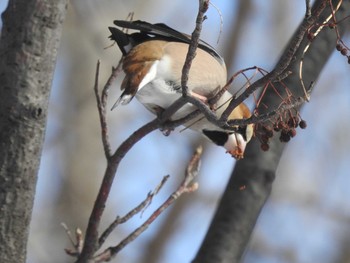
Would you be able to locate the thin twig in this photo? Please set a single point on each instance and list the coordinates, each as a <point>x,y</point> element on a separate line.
<point>267,116</point>
<point>311,39</point>
<point>221,20</point>
<point>203,7</point>
<point>186,186</point>
<point>69,234</point>
<point>77,243</point>
<point>115,73</point>
<point>101,106</point>
<point>131,213</point>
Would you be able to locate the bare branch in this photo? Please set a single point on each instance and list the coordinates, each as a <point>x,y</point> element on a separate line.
<point>140,208</point>
<point>267,116</point>
<point>102,103</point>
<point>186,186</point>
<point>102,114</point>
<point>203,7</point>
<point>77,243</point>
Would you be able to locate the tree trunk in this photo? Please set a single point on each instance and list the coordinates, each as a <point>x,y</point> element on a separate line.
<point>28,49</point>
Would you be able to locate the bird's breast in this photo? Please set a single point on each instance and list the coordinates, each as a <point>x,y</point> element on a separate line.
<point>160,94</point>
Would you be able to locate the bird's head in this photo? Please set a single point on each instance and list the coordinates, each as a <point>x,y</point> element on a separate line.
<point>233,141</point>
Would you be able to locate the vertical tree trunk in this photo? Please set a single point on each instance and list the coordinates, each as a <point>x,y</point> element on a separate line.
<point>28,48</point>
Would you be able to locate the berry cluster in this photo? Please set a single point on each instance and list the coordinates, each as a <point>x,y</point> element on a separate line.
<point>341,47</point>
<point>286,127</point>
<point>343,50</point>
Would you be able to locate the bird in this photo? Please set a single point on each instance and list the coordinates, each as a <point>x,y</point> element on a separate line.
<point>153,58</point>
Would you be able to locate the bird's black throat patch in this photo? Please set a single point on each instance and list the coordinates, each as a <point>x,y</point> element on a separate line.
<point>217,137</point>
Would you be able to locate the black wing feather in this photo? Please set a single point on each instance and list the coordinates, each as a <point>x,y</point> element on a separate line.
<point>159,30</point>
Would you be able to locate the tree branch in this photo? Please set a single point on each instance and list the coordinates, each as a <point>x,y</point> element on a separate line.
<point>203,7</point>
<point>187,185</point>
<point>120,220</point>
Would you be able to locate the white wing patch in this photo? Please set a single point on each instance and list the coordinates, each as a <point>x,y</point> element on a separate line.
<point>151,75</point>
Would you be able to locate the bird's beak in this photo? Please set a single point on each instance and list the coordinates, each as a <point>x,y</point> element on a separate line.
<point>235,145</point>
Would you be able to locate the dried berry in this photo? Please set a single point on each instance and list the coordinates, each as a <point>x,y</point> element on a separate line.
<point>302,124</point>
<point>269,133</point>
<point>265,147</point>
<point>264,138</point>
<point>292,133</point>
<point>339,47</point>
<point>344,51</point>
<point>284,137</point>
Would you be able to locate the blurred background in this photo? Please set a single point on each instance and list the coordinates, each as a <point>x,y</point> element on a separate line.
<point>307,216</point>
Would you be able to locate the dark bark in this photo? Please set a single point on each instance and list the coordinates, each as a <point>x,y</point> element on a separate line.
<point>28,49</point>
<point>239,207</point>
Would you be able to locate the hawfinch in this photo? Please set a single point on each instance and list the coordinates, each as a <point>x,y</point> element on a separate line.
<point>153,61</point>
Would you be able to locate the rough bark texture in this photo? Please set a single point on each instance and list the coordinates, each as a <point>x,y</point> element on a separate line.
<point>28,48</point>
<point>239,209</point>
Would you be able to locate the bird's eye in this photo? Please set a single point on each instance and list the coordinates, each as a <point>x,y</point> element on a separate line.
<point>217,137</point>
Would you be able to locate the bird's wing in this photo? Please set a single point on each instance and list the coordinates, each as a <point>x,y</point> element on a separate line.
<point>165,32</point>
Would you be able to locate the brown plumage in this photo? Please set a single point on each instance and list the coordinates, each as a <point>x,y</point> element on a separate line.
<point>153,62</point>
